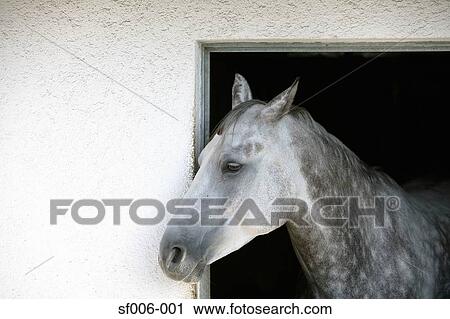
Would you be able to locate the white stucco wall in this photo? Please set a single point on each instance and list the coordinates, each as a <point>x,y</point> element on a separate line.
<point>69,131</point>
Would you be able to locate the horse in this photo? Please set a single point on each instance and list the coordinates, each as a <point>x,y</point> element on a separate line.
<point>275,150</point>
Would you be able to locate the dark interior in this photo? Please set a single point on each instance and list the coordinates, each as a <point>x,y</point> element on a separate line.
<point>392,113</point>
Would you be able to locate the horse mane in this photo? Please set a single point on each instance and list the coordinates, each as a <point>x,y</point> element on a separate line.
<point>341,159</point>
<point>321,142</point>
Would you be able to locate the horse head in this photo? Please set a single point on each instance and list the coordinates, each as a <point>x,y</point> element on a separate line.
<point>248,157</point>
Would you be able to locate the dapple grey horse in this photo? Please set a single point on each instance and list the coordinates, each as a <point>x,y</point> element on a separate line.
<point>274,150</point>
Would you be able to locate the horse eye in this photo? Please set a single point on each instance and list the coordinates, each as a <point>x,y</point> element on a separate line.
<point>233,167</point>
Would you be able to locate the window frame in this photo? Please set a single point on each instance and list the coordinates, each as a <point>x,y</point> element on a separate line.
<point>202,94</point>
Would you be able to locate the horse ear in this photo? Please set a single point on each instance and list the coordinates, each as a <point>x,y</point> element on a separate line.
<point>240,91</point>
<point>282,103</point>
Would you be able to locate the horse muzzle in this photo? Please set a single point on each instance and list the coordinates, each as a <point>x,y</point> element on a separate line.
<point>178,263</point>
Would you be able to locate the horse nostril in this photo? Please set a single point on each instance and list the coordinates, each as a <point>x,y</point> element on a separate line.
<point>176,255</point>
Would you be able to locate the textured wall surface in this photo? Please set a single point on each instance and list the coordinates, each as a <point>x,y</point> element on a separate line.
<point>76,79</point>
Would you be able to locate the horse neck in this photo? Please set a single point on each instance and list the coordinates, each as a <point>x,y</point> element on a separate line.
<point>331,169</point>
<point>333,254</point>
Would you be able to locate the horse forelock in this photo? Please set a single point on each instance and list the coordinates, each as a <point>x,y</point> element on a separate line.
<point>232,117</point>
